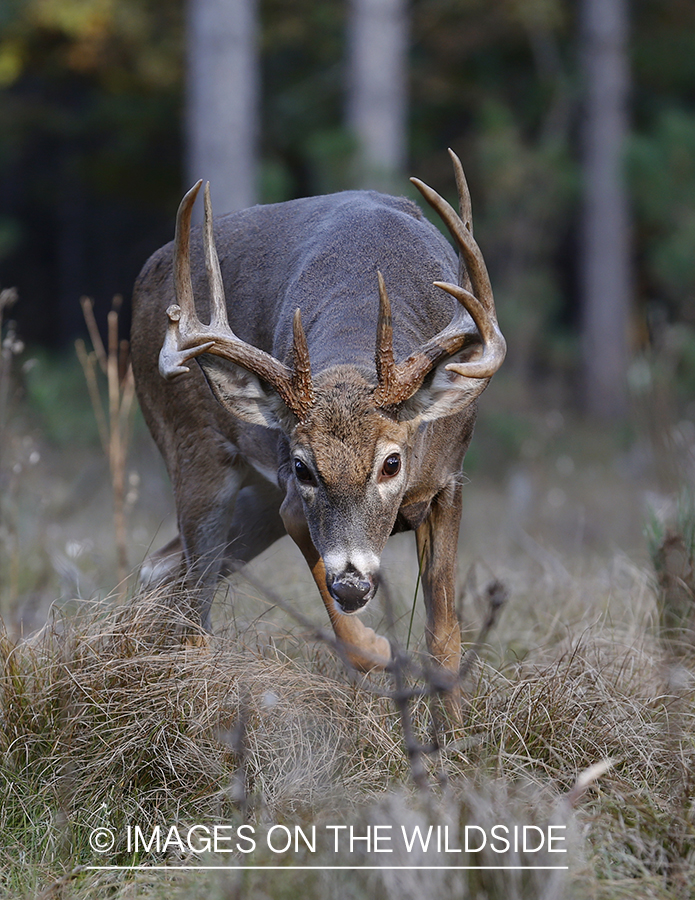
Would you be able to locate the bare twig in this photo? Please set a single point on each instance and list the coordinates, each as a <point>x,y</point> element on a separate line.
<point>88,361</point>
<point>400,696</point>
<point>94,335</point>
<point>429,682</point>
<point>236,739</point>
<point>496,594</point>
<point>55,889</point>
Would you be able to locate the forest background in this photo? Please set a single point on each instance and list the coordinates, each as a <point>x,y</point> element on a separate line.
<point>95,140</point>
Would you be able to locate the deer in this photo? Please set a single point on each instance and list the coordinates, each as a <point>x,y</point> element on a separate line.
<point>332,396</point>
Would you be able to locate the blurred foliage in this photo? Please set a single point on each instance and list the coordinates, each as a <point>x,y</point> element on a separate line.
<point>89,151</point>
<point>662,171</point>
<point>91,147</point>
<point>302,57</point>
<point>57,400</point>
<point>102,77</point>
<point>661,175</point>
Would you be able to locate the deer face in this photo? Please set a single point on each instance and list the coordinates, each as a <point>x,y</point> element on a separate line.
<point>349,464</point>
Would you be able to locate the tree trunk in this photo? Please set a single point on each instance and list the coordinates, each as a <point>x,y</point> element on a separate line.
<point>605,264</point>
<point>377,89</point>
<point>222,100</point>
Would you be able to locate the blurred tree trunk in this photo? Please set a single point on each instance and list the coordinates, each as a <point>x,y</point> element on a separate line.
<point>377,89</point>
<point>605,264</point>
<point>222,99</point>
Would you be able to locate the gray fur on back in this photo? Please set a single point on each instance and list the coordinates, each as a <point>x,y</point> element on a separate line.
<point>321,255</point>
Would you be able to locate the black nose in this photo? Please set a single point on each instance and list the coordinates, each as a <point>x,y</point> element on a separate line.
<point>352,592</point>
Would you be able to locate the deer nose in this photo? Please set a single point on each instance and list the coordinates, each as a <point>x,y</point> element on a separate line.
<point>351,591</point>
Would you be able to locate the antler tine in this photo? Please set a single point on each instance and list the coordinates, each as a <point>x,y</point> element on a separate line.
<point>494,344</point>
<point>465,206</point>
<point>183,318</point>
<point>385,366</point>
<point>302,383</point>
<point>465,213</point>
<point>219,321</point>
<point>464,239</point>
<point>479,301</point>
<point>397,382</point>
<point>183,289</point>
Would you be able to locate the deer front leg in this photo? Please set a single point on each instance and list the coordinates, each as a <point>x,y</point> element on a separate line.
<point>363,647</point>
<point>205,513</point>
<point>437,542</point>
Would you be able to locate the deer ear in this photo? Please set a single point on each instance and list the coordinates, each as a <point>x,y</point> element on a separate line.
<point>243,394</point>
<point>444,393</point>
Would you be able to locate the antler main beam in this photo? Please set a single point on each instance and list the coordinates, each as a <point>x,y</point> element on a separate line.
<point>187,337</point>
<point>398,382</point>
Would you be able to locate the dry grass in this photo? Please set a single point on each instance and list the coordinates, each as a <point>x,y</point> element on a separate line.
<point>109,718</point>
<point>576,713</point>
<point>112,707</point>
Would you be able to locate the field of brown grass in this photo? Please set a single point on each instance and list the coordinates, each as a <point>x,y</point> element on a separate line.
<point>123,747</point>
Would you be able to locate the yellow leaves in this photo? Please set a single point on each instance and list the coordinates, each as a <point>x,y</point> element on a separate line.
<point>10,62</point>
<point>75,18</point>
<point>86,23</point>
<point>118,41</point>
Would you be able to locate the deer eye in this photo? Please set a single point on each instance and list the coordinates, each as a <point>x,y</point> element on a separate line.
<point>392,465</point>
<point>303,472</point>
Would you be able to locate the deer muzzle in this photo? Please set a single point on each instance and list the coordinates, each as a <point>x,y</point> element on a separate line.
<point>351,589</point>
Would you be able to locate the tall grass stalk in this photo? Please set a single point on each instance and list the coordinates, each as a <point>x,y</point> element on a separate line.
<point>114,419</point>
<point>415,593</point>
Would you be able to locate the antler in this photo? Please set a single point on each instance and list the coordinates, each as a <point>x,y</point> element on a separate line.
<point>187,337</point>
<point>398,382</point>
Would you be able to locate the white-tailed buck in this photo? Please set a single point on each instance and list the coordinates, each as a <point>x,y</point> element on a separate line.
<point>280,415</point>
